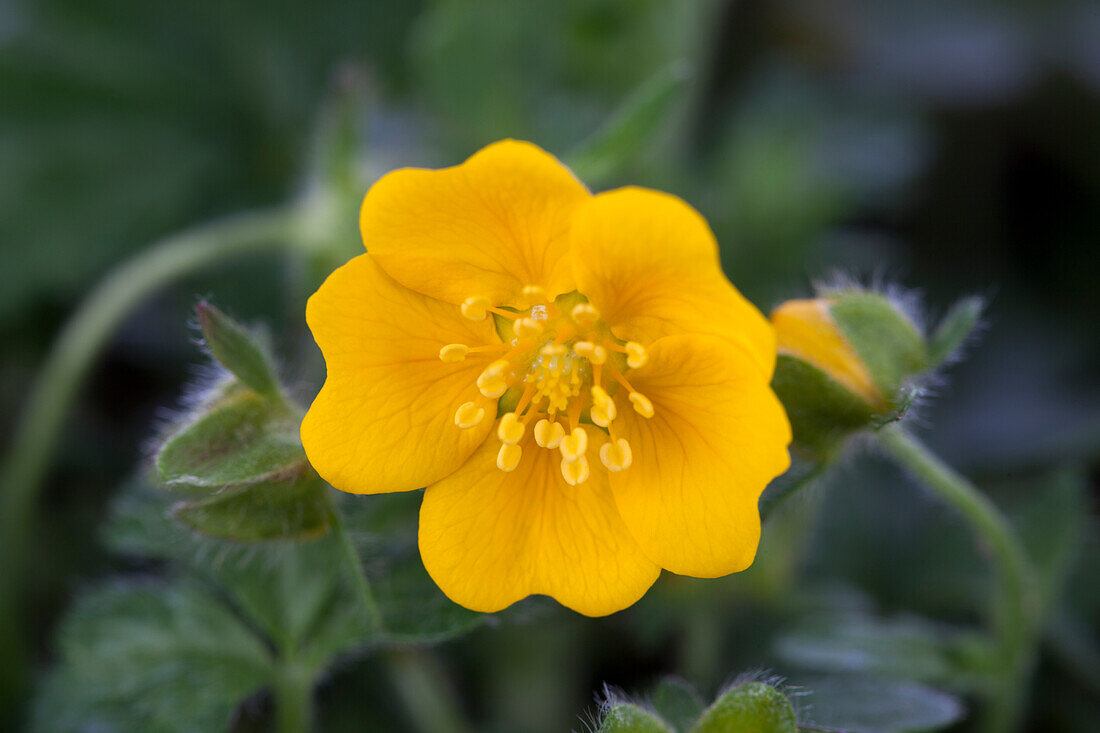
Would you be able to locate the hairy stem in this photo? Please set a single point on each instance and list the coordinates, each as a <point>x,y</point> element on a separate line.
<point>292,691</point>
<point>1015,605</point>
<point>74,351</point>
<point>358,572</point>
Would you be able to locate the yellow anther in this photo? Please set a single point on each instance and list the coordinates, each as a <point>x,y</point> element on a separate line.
<point>636,355</point>
<point>526,327</point>
<point>552,350</point>
<point>592,352</point>
<point>476,308</point>
<point>492,383</point>
<point>642,405</point>
<point>468,415</point>
<point>601,398</point>
<point>616,455</point>
<point>534,294</point>
<point>508,457</point>
<point>510,429</point>
<point>600,416</point>
<point>585,315</point>
<point>574,445</point>
<point>548,434</point>
<point>575,472</point>
<point>452,353</point>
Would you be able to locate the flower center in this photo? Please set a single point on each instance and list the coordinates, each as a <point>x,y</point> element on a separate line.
<point>560,367</point>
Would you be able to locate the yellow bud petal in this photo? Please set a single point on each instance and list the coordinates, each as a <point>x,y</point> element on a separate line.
<point>575,472</point>
<point>452,353</point>
<point>508,457</point>
<point>548,434</point>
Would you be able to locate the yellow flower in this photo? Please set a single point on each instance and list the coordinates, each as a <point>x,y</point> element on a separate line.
<point>583,393</point>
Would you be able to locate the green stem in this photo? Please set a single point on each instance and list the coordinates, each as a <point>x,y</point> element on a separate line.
<point>293,694</point>
<point>358,573</point>
<point>73,353</point>
<point>1015,607</point>
<point>425,691</point>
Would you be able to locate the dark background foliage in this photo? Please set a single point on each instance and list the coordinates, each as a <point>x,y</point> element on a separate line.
<point>948,146</point>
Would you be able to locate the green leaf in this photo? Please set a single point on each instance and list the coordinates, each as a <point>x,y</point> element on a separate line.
<point>676,701</point>
<point>237,350</point>
<point>626,717</point>
<point>750,706</point>
<point>905,648</point>
<point>626,135</point>
<point>955,327</point>
<point>243,437</point>
<point>150,657</point>
<point>293,508</point>
<point>857,704</point>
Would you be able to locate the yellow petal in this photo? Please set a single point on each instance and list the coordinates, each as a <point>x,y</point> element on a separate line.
<point>649,264</point>
<point>806,329</point>
<point>384,420</point>
<point>717,437</point>
<point>487,228</point>
<point>489,538</point>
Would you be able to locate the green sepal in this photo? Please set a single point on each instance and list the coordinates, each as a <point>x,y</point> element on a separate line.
<point>750,706</point>
<point>237,350</point>
<point>294,508</point>
<point>955,327</point>
<point>626,717</point>
<point>239,437</point>
<point>888,343</point>
<point>822,411</point>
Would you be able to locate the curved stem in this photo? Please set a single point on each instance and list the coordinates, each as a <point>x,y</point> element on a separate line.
<point>73,353</point>
<point>1015,608</point>
<point>358,572</point>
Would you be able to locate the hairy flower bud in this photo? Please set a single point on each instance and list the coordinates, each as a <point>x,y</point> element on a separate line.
<point>848,359</point>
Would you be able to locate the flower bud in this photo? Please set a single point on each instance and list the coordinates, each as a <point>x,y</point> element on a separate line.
<point>846,361</point>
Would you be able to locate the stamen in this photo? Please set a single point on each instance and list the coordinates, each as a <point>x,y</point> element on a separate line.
<point>594,353</point>
<point>468,415</point>
<point>510,430</point>
<point>549,434</point>
<point>552,350</point>
<point>642,405</point>
<point>603,409</point>
<point>526,327</point>
<point>575,472</point>
<point>510,315</point>
<point>636,355</point>
<point>492,383</point>
<point>616,455</point>
<point>585,315</point>
<point>508,457</point>
<point>475,307</point>
<point>453,353</point>
<point>534,295</point>
<point>574,445</point>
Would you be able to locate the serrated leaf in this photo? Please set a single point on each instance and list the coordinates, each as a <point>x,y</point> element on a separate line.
<point>625,717</point>
<point>243,437</point>
<point>293,508</point>
<point>237,350</point>
<point>954,329</point>
<point>677,702</point>
<point>150,657</point>
<point>750,706</point>
<point>858,704</point>
<point>632,128</point>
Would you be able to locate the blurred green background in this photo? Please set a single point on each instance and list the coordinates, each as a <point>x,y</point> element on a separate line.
<point>947,146</point>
